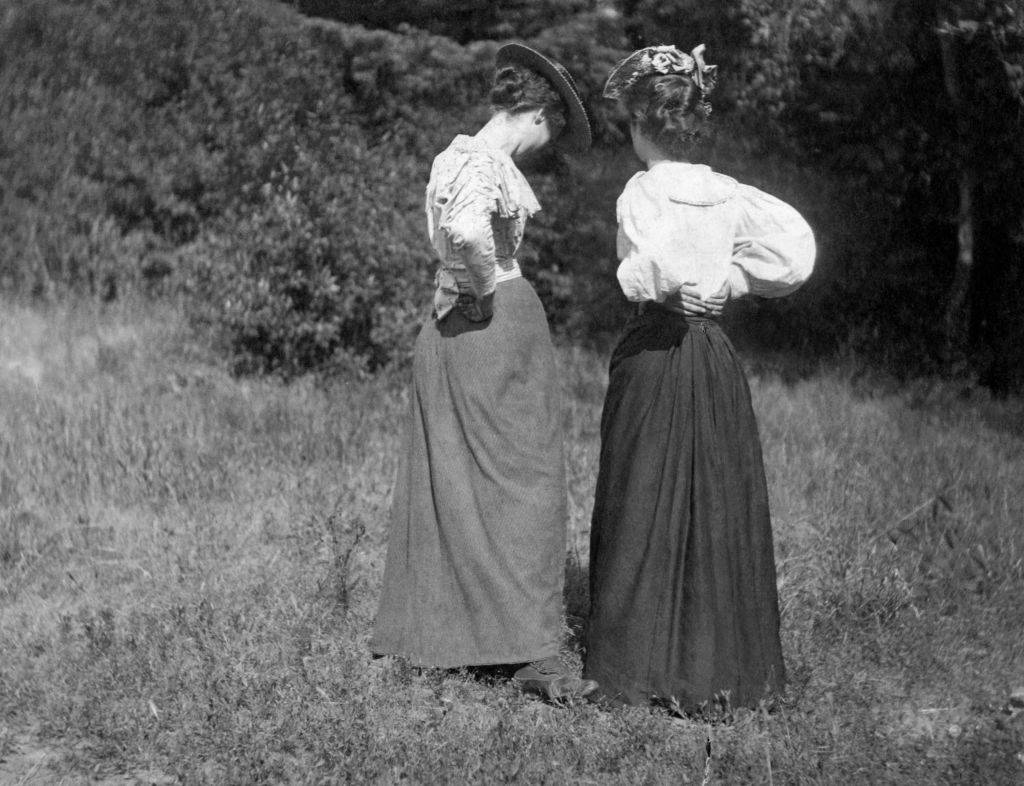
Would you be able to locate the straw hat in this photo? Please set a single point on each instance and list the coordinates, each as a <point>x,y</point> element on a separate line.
<point>576,135</point>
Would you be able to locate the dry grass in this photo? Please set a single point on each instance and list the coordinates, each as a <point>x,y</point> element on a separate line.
<point>189,565</point>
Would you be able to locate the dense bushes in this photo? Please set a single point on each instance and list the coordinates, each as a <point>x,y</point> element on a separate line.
<point>463,20</point>
<point>271,168</point>
<point>329,261</point>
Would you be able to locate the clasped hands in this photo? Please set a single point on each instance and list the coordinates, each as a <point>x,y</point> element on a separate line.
<point>687,301</point>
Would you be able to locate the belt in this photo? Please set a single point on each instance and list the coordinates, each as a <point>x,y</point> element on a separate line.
<point>653,308</point>
<point>506,270</point>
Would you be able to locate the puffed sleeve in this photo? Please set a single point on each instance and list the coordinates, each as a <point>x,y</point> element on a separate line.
<point>637,217</point>
<point>773,251</point>
<point>466,206</point>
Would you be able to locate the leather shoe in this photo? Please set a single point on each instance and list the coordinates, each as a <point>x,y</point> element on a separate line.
<point>551,679</point>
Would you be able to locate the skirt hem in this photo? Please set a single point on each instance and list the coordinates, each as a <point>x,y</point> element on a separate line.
<point>459,663</point>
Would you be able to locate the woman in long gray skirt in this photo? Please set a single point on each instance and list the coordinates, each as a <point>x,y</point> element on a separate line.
<point>684,607</point>
<point>476,552</point>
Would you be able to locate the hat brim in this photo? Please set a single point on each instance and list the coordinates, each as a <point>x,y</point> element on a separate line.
<point>641,63</point>
<point>624,75</point>
<point>576,136</point>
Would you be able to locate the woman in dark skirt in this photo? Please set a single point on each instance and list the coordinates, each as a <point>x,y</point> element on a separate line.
<point>684,609</point>
<point>476,552</point>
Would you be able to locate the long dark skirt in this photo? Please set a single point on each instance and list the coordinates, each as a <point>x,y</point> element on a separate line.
<point>682,574</point>
<point>476,554</point>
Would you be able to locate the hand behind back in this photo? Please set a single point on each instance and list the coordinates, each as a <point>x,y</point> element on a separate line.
<point>687,301</point>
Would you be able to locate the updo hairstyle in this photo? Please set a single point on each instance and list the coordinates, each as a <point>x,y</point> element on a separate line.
<point>671,113</point>
<point>518,89</point>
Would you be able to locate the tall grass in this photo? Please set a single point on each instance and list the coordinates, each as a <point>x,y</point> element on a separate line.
<point>189,565</point>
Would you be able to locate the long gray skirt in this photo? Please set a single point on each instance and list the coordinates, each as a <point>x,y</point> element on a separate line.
<point>476,553</point>
<point>682,573</point>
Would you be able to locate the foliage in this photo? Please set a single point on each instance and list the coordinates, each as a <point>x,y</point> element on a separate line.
<point>463,20</point>
<point>270,167</point>
<point>266,166</point>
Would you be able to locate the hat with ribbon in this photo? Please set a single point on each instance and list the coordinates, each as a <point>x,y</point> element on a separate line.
<point>576,134</point>
<point>661,60</point>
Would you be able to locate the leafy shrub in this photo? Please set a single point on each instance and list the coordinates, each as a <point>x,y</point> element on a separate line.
<point>303,279</point>
<point>273,169</point>
<point>463,20</point>
<point>270,166</point>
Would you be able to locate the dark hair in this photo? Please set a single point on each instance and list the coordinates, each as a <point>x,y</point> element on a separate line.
<point>671,112</point>
<point>517,89</point>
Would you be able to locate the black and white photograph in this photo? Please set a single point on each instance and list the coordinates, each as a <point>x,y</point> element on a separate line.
<point>528,391</point>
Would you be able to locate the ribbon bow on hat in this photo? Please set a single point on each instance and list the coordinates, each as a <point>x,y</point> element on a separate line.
<point>661,60</point>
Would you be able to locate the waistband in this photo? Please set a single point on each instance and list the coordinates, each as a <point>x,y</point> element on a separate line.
<point>506,270</point>
<point>653,308</point>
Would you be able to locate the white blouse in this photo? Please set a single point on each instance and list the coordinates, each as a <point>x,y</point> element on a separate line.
<point>684,224</point>
<point>477,203</point>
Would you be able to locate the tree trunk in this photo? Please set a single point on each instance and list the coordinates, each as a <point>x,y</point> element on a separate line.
<point>956,319</point>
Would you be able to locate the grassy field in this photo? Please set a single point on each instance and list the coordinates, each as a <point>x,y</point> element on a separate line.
<point>189,566</point>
